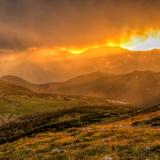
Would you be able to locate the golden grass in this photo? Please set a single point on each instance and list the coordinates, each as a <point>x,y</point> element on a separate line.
<point>117,140</point>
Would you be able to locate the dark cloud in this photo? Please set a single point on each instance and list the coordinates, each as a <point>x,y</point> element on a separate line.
<point>8,43</point>
<point>27,23</point>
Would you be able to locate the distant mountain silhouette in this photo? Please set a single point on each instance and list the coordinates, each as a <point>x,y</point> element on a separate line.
<point>10,79</point>
<point>138,87</point>
<point>65,65</point>
<point>11,89</point>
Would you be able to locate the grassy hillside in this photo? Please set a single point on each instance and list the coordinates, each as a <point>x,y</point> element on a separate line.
<point>83,134</point>
<point>20,82</point>
<point>37,126</point>
<point>16,101</point>
<point>138,88</point>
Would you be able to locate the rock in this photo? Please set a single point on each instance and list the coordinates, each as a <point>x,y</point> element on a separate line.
<point>87,129</point>
<point>56,150</point>
<point>147,149</point>
<point>107,158</point>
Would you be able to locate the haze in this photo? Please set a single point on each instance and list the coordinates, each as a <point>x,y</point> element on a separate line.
<point>40,39</point>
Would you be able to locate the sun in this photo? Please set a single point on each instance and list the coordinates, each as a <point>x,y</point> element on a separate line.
<point>149,41</point>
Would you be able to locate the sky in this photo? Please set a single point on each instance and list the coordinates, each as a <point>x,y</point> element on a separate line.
<point>73,23</point>
<point>30,30</point>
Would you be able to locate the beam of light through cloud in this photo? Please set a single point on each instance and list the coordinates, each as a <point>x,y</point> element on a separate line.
<point>44,40</point>
<point>140,43</point>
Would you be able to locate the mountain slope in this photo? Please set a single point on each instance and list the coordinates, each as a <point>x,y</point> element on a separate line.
<point>68,118</point>
<point>7,89</point>
<point>10,79</point>
<point>17,101</point>
<point>83,134</point>
<point>139,87</point>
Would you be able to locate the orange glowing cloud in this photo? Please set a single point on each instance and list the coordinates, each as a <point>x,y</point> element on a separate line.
<point>147,40</point>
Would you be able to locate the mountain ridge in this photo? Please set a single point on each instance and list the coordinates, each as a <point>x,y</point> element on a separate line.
<point>138,87</point>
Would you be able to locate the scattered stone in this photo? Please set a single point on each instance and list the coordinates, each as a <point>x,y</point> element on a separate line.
<point>107,158</point>
<point>56,150</point>
<point>27,149</point>
<point>147,149</point>
<point>87,129</point>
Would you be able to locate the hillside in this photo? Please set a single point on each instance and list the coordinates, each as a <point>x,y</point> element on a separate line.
<point>17,101</point>
<point>138,87</point>
<point>83,134</point>
<point>78,127</point>
<point>10,79</point>
<point>7,89</point>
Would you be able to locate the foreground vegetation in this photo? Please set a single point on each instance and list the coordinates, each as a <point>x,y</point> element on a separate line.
<point>16,101</point>
<point>59,120</point>
<point>84,135</point>
<point>37,126</point>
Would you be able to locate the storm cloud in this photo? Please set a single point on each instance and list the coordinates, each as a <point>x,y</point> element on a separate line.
<point>52,23</point>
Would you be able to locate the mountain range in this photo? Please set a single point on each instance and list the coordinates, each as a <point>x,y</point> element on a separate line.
<point>137,87</point>
<point>63,65</point>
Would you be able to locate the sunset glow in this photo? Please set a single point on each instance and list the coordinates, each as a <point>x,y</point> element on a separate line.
<point>141,43</point>
<point>148,41</point>
<point>74,50</point>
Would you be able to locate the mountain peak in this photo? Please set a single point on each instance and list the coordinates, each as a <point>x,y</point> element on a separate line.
<point>13,79</point>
